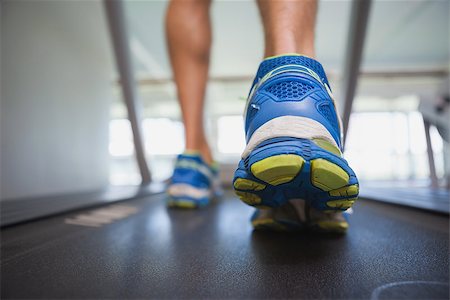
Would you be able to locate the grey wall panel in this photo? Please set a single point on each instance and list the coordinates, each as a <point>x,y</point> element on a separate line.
<point>56,91</point>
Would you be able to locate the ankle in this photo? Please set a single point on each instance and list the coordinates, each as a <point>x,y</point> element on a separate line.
<point>203,151</point>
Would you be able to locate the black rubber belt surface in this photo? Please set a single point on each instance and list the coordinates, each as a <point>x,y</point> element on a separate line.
<point>213,253</point>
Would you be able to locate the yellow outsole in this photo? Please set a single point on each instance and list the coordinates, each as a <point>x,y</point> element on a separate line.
<point>333,226</point>
<point>341,204</point>
<point>283,168</point>
<point>278,169</point>
<point>350,190</point>
<point>268,223</point>
<point>327,176</point>
<point>182,204</point>
<point>249,198</point>
<point>248,185</point>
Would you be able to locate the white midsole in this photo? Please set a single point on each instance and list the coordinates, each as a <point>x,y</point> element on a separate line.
<point>288,126</point>
<point>181,189</point>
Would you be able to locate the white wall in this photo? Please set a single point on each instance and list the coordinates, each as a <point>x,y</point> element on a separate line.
<point>55,95</point>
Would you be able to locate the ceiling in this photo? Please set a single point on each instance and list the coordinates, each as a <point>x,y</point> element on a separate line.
<point>401,34</point>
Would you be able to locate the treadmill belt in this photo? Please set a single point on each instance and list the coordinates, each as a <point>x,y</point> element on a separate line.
<point>139,249</point>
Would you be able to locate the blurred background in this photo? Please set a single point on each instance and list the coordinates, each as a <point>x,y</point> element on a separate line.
<point>65,128</point>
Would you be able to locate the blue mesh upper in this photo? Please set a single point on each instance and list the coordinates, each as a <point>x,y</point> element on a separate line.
<point>271,63</point>
<point>289,90</point>
<point>328,112</point>
<point>293,92</point>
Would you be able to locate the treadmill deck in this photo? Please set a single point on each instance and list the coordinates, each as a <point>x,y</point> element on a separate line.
<point>153,252</point>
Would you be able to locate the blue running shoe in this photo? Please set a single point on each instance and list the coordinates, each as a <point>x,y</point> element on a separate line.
<point>293,138</point>
<point>193,182</point>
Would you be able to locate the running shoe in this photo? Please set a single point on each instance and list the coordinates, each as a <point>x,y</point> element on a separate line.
<point>297,215</point>
<point>288,217</point>
<point>194,183</point>
<point>294,143</point>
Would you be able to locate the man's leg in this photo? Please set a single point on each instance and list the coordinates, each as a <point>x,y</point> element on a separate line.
<point>293,134</point>
<point>189,40</point>
<point>188,31</point>
<point>288,26</point>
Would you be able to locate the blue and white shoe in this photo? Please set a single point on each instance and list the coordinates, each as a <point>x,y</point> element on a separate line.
<point>193,183</point>
<point>293,138</point>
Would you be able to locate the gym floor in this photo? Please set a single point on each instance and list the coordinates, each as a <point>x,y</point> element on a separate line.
<point>140,249</point>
